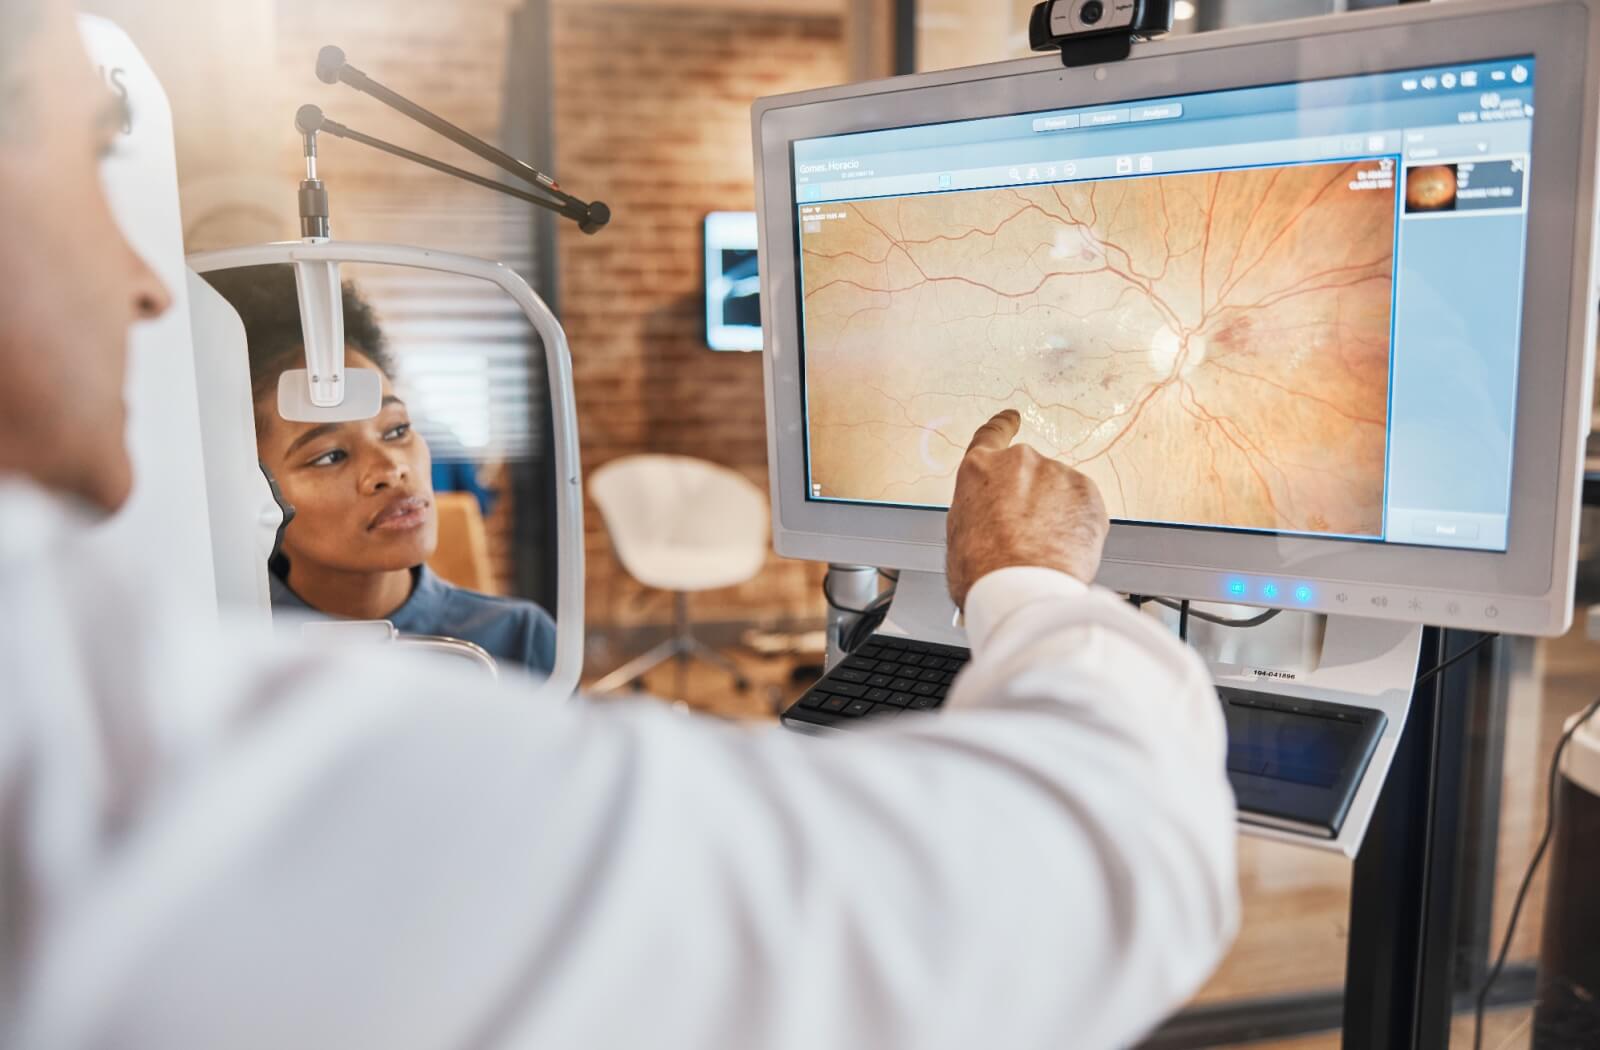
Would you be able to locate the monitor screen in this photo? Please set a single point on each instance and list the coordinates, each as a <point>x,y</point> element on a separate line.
<point>733,285</point>
<point>1290,309</point>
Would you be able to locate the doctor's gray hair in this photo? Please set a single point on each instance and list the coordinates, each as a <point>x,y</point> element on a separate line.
<point>18,19</point>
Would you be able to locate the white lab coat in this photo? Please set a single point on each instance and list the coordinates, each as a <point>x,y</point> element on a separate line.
<point>232,846</point>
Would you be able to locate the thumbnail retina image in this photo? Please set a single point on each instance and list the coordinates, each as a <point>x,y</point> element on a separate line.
<point>1431,187</point>
<point>1211,348</point>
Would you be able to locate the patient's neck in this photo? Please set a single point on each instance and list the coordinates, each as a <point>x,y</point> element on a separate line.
<point>352,595</point>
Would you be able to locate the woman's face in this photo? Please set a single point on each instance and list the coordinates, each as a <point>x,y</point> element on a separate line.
<point>362,491</point>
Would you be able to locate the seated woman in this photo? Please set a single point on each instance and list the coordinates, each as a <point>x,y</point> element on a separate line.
<point>364,523</point>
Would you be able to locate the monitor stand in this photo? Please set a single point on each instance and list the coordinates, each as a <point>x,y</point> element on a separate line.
<point>1286,682</point>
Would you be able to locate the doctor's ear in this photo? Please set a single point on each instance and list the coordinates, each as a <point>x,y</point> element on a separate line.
<point>278,517</point>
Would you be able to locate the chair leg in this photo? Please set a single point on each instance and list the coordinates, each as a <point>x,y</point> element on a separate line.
<point>638,667</point>
<point>683,646</point>
<point>701,651</point>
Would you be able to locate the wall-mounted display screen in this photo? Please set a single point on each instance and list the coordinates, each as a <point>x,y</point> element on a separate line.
<point>733,285</point>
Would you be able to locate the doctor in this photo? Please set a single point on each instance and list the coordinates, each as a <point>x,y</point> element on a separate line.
<point>213,845</point>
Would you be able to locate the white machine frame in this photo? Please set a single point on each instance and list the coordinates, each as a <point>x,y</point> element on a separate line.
<point>563,680</point>
<point>1525,590</point>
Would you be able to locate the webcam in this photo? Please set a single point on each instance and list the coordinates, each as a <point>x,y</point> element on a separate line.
<point>1091,31</point>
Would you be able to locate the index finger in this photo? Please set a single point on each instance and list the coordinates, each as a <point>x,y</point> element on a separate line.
<point>998,433</point>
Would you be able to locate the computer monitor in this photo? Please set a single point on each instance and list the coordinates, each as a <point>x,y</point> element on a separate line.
<point>1311,302</point>
<point>733,283</point>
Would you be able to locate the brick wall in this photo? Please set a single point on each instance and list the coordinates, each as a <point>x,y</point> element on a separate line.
<point>659,128</point>
<point>654,121</point>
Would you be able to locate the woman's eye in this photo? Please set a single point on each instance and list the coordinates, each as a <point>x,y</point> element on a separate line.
<point>398,432</point>
<point>329,458</point>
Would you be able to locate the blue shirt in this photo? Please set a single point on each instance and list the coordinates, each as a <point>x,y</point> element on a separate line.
<point>511,630</point>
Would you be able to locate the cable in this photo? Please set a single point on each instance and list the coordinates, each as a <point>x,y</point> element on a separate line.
<point>1183,620</point>
<point>1221,621</point>
<point>1533,865</point>
<point>1462,655</point>
<point>867,622</point>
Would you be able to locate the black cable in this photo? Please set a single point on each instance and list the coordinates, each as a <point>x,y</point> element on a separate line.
<point>867,622</point>
<point>1183,620</point>
<point>1221,621</point>
<point>1533,866</point>
<point>1462,655</point>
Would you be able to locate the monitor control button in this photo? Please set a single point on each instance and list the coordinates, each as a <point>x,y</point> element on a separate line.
<point>1415,604</point>
<point>1491,611</point>
<point>1453,608</point>
<point>1341,597</point>
<point>1379,601</point>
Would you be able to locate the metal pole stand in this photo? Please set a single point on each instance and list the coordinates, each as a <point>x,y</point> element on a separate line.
<point>848,587</point>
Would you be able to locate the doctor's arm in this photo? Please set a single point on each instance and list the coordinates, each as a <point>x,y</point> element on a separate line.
<point>1047,864</point>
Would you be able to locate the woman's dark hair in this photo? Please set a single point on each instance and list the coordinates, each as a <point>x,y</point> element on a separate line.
<point>266,301</point>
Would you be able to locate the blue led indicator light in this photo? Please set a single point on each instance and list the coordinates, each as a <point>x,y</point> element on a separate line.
<point>1302,593</point>
<point>1236,587</point>
<point>1269,591</point>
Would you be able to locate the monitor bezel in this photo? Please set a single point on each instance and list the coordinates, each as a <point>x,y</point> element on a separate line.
<point>1527,588</point>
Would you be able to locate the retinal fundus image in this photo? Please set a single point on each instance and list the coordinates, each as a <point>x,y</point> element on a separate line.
<point>1210,348</point>
<point>1431,187</point>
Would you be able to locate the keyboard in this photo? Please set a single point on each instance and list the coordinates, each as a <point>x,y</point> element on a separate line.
<point>884,678</point>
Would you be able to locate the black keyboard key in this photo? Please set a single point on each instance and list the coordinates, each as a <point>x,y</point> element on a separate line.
<point>816,718</point>
<point>881,680</point>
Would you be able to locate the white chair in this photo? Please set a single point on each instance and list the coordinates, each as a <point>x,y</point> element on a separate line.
<point>680,524</point>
